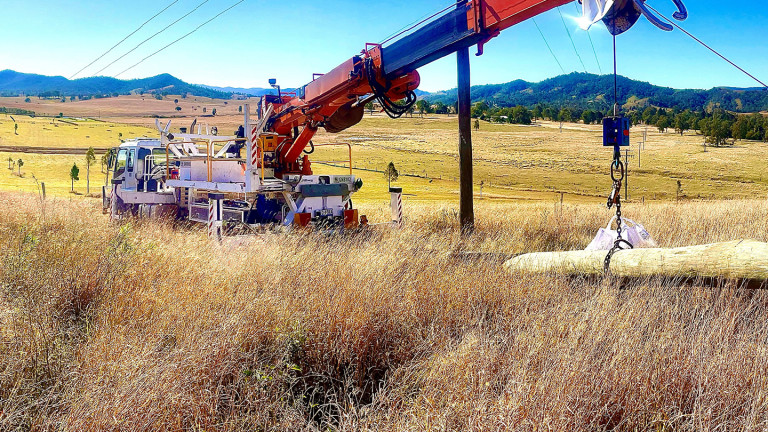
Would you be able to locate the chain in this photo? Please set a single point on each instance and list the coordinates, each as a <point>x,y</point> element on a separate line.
<point>615,199</point>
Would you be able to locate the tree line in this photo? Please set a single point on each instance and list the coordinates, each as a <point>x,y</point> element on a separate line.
<point>720,127</point>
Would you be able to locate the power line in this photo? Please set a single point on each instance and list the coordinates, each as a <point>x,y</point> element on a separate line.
<point>595,53</point>
<point>569,37</point>
<point>547,44</point>
<point>707,46</point>
<point>151,37</point>
<point>591,43</point>
<point>177,40</point>
<point>124,39</point>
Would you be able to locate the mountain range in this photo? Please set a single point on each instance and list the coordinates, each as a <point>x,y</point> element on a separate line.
<point>589,91</point>
<point>573,90</point>
<point>15,83</point>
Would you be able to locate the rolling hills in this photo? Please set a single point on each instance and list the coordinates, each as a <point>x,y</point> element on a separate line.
<point>596,92</point>
<point>13,83</point>
<point>572,90</point>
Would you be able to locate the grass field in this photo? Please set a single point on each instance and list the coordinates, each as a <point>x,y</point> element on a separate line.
<point>148,326</point>
<point>125,327</point>
<point>514,162</point>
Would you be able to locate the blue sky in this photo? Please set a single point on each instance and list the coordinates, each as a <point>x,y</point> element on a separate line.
<point>289,40</point>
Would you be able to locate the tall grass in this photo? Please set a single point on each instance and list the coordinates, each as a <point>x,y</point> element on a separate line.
<point>148,326</point>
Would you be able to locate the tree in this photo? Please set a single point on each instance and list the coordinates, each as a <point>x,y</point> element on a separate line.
<point>106,163</point>
<point>520,115</point>
<point>682,122</point>
<point>564,116</point>
<point>90,159</point>
<point>20,163</point>
<point>423,107</point>
<point>204,110</point>
<point>10,160</point>
<point>27,100</point>
<point>178,108</point>
<point>391,174</point>
<point>176,101</point>
<point>477,124</point>
<point>479,110</point>
<point>16,128</point>
<point>74,174</point>
<point>663,123</point>
<point>213,111</point>
<point>369,107</point>
<point>240,109</point>
<point>538,111</point>
<point>716,129</point>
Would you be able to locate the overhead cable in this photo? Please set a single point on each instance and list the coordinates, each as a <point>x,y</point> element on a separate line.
<point>707,46</point>
<point>571,38</point>
<point>179,39</point>
<point>124,39</point>
<point>592,44</point>
<point>547,44</point>
<point>151,37</point>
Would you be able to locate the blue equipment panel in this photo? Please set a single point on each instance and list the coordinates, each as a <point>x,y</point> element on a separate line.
<point>616,132</point>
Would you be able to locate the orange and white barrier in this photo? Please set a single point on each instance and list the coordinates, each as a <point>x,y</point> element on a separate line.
<point>215,225</point>
<point>396,203</point>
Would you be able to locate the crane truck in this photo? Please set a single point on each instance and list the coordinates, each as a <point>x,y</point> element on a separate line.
<point>263,175</point>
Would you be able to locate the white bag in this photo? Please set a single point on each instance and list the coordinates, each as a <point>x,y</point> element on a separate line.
<point>592,11</point>
<point>636,235</point>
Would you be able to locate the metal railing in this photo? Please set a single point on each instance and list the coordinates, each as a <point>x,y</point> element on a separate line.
<point>209,154</point>
<point>349,146</point>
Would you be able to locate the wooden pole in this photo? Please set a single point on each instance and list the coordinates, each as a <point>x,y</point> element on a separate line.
<point>466,209</point>
<point>739,259</point>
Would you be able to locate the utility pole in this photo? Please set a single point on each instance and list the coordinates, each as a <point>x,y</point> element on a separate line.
<point>466,207</point>
<point>626,175</point>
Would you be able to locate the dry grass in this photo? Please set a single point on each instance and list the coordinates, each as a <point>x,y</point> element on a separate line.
<point>147,326</point>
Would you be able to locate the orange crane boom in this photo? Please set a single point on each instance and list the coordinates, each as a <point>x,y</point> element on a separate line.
<point>336,100</point>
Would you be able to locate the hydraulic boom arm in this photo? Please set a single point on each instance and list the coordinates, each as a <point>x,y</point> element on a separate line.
<point>336,100</point>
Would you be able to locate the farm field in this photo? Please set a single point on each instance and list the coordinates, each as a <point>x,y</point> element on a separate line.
<point>513,162</point>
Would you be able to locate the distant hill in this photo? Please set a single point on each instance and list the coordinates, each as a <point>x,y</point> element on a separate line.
<point>596,92</point>
<point>14,83</point>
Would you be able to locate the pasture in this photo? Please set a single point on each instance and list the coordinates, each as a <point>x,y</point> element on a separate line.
<point>513,162</point>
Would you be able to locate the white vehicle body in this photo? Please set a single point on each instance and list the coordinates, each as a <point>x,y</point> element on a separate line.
<point>179,173</point>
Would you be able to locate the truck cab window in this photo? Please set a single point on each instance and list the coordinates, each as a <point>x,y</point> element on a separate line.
<point>120,162</point>
<point>129,163</point>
